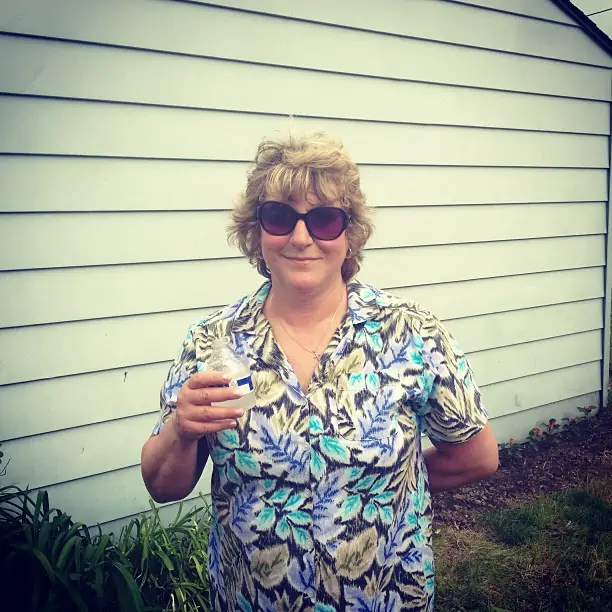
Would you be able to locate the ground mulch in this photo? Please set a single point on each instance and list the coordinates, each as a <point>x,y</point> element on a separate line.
<point>565,460</point>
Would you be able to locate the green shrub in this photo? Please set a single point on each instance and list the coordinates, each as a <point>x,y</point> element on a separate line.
<point>170,562</point>
<point>50,563</point>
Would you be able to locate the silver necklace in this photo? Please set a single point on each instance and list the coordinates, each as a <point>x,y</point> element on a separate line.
<point>314,352</point>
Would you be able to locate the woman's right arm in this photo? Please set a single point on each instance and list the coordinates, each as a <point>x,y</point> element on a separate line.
<point>172,461</point>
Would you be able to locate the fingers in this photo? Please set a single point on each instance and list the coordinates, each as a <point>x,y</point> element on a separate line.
<point>208,379</point>
<point>191,429</point>
<point>205,396</point>
<point>197,429</point>
<point>195,416</point>
<point>212,413</point>
<point>219,426</point>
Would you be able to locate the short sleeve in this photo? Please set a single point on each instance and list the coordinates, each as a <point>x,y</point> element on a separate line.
<point>183,367</point>
<point>454,411</point>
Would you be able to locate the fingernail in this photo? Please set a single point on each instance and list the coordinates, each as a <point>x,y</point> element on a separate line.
<point>240,412</point>
<point>240,392</point>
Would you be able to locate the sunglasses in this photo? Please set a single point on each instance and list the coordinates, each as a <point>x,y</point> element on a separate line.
<point>322,222</point>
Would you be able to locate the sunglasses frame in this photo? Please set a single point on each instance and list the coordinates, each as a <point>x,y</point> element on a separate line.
<point>346,219</point>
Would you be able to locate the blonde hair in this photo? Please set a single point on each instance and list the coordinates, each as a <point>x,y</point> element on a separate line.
<point>295,166</point>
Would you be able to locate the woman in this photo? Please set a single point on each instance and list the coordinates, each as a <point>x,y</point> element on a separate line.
<point>321,492</point>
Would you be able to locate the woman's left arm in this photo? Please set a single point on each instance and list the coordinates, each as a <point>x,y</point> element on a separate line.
<point>452,465</point>
<point>454,417</point>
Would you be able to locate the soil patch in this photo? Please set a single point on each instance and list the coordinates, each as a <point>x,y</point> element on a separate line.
<point>565,460</point>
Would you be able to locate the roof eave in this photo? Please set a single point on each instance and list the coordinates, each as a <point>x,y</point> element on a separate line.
<point>588,26</point>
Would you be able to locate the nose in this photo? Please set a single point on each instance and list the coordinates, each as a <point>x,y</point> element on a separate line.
<point>300,237</point>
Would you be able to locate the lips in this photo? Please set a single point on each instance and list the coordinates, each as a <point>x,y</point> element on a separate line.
<point>301,259</point>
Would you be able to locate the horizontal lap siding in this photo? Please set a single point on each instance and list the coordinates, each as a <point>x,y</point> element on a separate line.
<point>67,127</point>
<point>443,21</point>
<point>90,495</point>
<point>449,22</point>
<point>481,260</point>
<point>202,31</point>
<point>48,184</point>
<point>45,296</point>
<point>592,6</point>
<point>130,76</point>
<point>89,239</point>
<point>517,424</point>
<point>485,160</point>
<point>529,8</point>
<point>603,21</point>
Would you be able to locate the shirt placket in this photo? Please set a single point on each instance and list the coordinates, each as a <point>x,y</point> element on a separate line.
<point>286,373</point>
<point>332,354</point>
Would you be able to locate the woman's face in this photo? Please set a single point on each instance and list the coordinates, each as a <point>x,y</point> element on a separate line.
<point>300,261</point>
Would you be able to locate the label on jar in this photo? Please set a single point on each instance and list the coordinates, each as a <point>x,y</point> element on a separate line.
<point>245,384</point>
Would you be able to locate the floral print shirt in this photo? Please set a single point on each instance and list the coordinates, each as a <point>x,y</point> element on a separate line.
<point>320,499</point>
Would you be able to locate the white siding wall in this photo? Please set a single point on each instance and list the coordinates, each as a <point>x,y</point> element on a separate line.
<point>125,127</point>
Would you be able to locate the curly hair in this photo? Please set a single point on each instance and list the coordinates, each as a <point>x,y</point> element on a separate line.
<point>292,167</point>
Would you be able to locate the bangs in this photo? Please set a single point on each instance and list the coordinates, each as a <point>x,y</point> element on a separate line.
<point>286,184</point>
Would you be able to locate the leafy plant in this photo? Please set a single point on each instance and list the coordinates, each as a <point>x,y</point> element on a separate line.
<point>545,434</point>
<point>511,448</point>
<point>51,563</point>
<point>170,561</point>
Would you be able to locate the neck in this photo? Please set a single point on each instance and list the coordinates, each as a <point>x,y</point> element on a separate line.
<point>307,308</point>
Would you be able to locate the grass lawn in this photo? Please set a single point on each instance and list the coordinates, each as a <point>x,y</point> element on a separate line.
<point>552,554</point>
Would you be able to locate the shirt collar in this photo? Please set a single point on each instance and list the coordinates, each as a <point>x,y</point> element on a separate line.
<point>251,310</point>
<point>364,303</point>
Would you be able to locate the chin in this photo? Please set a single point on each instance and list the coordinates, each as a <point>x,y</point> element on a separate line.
<point>300,282</point>
<point>305,283</point>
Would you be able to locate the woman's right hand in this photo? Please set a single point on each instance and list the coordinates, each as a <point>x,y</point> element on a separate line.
<point>194,416</point>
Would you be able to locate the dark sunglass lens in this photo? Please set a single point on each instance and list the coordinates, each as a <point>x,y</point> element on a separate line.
<point>327,222</point>
<point>277,218</point>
